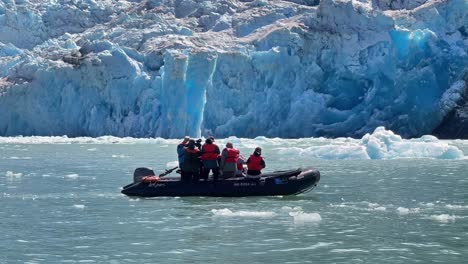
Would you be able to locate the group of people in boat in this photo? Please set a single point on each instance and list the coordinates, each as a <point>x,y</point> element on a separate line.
<point>197,160</point>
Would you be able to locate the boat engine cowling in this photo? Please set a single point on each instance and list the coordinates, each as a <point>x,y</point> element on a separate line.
<point>142,172</point>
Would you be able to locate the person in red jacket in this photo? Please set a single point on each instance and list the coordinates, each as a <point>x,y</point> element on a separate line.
<point>209,155</point>
<point>255,163</point>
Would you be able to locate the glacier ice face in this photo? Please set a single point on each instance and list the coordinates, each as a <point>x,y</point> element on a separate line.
<point>245,68</point>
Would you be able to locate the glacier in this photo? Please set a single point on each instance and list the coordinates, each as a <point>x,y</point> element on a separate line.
<point>298,68</point>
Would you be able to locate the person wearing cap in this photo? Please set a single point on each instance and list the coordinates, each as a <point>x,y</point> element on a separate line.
<point>180,150</point>
<point>255,163</point>
<point>210,153</point>
<point>228,163</point>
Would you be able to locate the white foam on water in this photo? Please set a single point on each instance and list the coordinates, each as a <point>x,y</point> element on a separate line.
<point>430,205</point>
<point>19,158</point>
<point>22,241</point>
<point>289,209</point>
<point>120,156</point>
<point>92,149</point>
<point>301,217</point>
<point>72,176</point>
<point>343,205</point>
<point>375,207</point>
<point>405,211</point>
<point>443,218</point>
<point>347,250</point>
<point>421,245</point>
<point>228,213</point>
<point>180,251</point>
<point>318,245</point>
<point>456,207</point>
<point>79,206</point>
<point>13,175</point>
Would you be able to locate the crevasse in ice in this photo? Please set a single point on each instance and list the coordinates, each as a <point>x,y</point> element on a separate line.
<point>244,68</point>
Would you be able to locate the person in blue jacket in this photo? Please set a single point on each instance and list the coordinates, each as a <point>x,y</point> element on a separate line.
<point>181,152</point>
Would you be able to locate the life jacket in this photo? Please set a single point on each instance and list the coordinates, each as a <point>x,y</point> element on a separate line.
<point>254,163</point>
<point>232,155</point>
<point>209,152</point>
<point>195,150</point>
<point>240,166</point>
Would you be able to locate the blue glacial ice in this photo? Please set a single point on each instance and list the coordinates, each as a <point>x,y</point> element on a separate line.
<point>164,68</point>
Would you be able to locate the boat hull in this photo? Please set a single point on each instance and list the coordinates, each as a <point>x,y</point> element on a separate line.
<point>276,183</point>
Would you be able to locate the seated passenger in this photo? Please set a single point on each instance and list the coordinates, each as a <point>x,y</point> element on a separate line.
<point>255,163</point>
<point>240,166</point>
<point>228,165</point>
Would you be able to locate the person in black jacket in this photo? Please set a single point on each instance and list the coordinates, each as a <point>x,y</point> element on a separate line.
<point>191,165</point>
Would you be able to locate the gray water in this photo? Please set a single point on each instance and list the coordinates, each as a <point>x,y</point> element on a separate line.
<point>61,203</point>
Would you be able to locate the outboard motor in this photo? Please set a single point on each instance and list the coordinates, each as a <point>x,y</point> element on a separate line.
<point>140,173</point>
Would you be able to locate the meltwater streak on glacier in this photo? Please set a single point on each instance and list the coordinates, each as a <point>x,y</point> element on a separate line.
<point>381,144</point>
<point>161,68</point>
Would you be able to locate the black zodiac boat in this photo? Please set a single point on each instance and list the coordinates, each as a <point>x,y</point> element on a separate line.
<point>274,183</point>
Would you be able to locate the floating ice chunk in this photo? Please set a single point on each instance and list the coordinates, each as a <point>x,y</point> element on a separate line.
<point>301,217</point>
<point>376,207</point>
<point>79,206</point>
<point>290,209</point>
<point>340,152</point>
<point>228,213</point>
<point>443,218</point>
<point>381,144</point>
<point>384,144</point>
<point>405,211</point>
<point>13,175</point>
<point>72,176</point>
